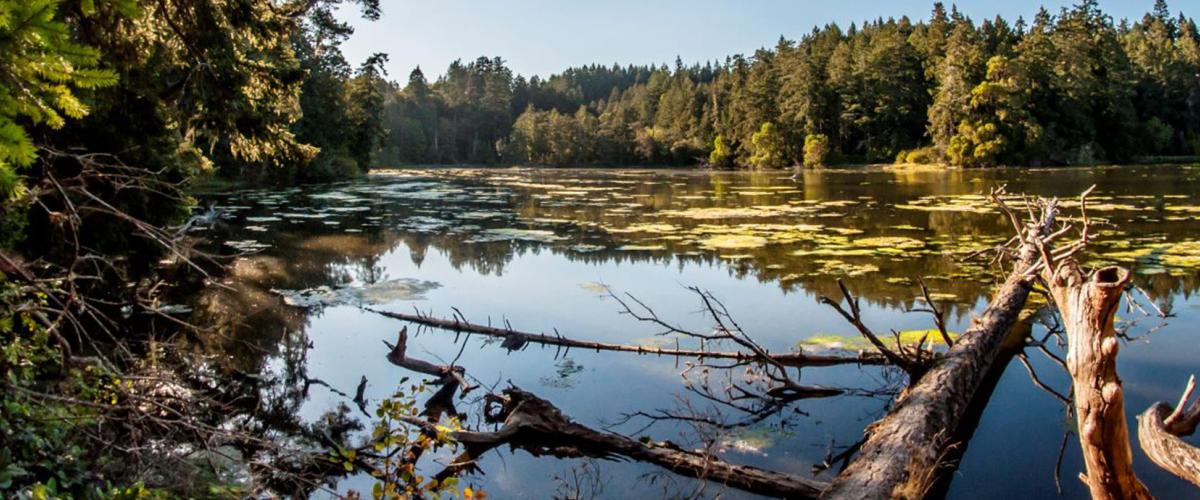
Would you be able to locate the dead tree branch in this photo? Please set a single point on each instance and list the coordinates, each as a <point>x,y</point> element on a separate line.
<point>517,339</point>
<point>1160,429</point>
<point>540,428</point>
<point>1087,303</point>
<point>914,364</point>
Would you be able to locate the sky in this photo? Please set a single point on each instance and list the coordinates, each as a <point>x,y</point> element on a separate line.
<point>540,37</point>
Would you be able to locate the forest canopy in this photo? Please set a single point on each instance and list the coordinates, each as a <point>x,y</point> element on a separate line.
<point>1074,87</point>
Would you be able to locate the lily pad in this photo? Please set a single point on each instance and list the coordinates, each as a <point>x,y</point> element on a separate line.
<point>859,343</point>
<point>733,241</point>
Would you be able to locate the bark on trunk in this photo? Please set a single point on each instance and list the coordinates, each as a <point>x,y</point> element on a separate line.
<point>538,427</point>
<point>1166,448</point>
<point>905,451</point>
<point>1087,305</point>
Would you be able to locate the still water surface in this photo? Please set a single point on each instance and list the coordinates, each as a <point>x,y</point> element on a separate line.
<point>538,249</point>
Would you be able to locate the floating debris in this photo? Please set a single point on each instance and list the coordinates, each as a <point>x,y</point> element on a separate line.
<point>371,294</point>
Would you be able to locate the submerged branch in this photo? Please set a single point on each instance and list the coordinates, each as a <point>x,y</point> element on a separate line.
<point>540,428</point>
<point>516,339</point>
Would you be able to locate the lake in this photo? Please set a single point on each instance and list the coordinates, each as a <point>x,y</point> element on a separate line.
<point>540,250</point>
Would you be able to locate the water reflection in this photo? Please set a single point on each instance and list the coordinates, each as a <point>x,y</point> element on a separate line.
<point>520,243</point>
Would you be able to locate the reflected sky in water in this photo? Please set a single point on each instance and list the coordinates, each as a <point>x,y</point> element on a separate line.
<point>536,247</point>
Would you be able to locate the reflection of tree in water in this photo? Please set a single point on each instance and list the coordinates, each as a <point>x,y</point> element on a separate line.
<point>544,200</point>
<point>257,335</point>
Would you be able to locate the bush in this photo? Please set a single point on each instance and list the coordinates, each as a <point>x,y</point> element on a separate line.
<point>1157,136</point>
<point>769,147</point>
<point>975,145</point>
<point>722,154</point>
<point>330,168</point>
<point>927,155</point>
<point>816,149</point>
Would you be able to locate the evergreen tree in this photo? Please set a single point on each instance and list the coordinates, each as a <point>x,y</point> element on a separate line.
<point>956,74</point>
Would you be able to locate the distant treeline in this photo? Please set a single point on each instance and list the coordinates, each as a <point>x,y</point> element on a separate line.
<point>1071,88</point>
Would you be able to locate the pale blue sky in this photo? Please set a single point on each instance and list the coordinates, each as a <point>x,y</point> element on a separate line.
<point>545,36</point>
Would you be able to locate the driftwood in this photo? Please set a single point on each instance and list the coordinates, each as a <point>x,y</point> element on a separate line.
<point>1160,428</point>
<point>451,378</point>
<point>904,451</point>
<point>398,356</point>
<point>538,427</point>
<point>515,340</point>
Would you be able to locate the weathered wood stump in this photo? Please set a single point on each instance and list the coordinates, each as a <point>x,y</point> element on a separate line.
<point>1087,304</point>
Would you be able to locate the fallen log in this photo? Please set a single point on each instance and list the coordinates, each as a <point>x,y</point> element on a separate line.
<point>540,428</point>
<point>904,451</point>
<point>515,340</point>
<point>1160,428</point>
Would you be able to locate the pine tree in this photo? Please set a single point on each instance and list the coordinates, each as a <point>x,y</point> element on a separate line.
<point>957,74</point>
<point>366,96</point>
<point>42,72</point>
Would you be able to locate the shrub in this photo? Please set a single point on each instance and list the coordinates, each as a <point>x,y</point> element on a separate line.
<point>722,154</point>
<point>769,147</point>
<point>1157,135</point>
<point>927,155</point>
<point>816,149</point>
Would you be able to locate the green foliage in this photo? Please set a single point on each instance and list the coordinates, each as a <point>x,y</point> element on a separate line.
<point>399,446</point>
<point>816,149</point>
<point>768,147</point>
<point>927,155</point>
<point>722,155</point>
<point>152,93</point>
<point>465,117</point>
<point>43,70</point>
<point>1156,135</point>
<point>39,448</point>
<point>997,128</point>
<point>366,94</point>
<point>1067,88</point>
<point>975,145</point>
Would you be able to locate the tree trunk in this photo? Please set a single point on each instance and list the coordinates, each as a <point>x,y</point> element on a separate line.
<point>904,452</point>
<point>1087,305</point>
